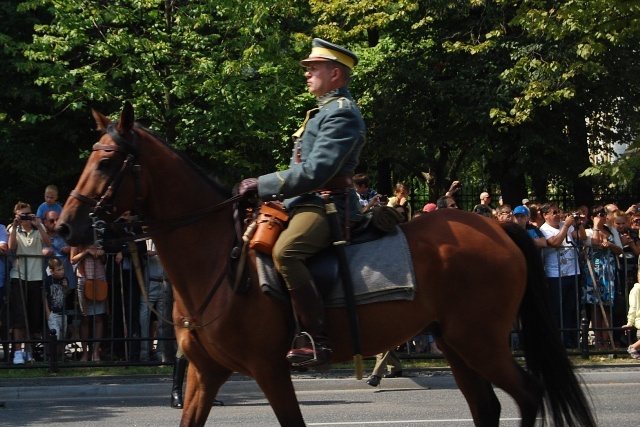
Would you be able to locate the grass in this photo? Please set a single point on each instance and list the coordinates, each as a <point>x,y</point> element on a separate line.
<point>97,371</point>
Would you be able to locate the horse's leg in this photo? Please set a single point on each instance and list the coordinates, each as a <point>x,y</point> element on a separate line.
<point>482,401</point>
<point>276,384</point>
<point>491,362</point>
<point>202,388</point>
<point>503,371</point>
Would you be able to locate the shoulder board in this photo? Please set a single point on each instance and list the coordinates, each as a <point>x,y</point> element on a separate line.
<point>339,103</point>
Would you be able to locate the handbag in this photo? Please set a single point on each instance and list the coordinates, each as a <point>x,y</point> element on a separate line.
<point>95,289</point>
<point>272,220</point>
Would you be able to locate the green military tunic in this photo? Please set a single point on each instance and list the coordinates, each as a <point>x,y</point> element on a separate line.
<point>329,147</point>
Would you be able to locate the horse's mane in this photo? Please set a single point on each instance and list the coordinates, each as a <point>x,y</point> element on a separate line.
<point>213,181</point>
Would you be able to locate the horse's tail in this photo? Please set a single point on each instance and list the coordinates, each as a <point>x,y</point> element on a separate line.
<point>544,352</point>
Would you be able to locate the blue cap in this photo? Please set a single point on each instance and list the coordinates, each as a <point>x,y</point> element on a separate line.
<point>522,210</point>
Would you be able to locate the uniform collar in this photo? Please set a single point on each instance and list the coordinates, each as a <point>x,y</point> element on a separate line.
<point>331,95</point>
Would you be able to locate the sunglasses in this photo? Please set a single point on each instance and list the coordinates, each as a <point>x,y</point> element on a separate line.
<point>552,213</point>
<point>51,221</point>
<point>453,205</point>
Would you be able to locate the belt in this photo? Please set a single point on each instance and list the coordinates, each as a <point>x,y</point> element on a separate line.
<point>337,183</point>
<point>154,279</point>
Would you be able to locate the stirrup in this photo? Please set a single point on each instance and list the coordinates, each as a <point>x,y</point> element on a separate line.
<point>305,340</point>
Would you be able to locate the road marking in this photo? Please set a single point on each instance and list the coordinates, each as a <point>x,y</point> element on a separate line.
<point>363,423</point>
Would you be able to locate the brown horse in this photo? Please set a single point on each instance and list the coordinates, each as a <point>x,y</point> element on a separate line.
<point>474,279</point>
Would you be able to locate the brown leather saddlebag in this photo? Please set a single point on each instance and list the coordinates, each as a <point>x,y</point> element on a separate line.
<point>272,220</point>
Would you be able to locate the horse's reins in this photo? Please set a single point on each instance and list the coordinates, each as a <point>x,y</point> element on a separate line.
<point>104,203</point>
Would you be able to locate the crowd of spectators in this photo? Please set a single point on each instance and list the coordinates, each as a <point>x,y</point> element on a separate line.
<point>82,294</point>
<point>590,257</point>
<point>591,262</point>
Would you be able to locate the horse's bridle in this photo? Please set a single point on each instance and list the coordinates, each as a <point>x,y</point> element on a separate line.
<point>129,145</point>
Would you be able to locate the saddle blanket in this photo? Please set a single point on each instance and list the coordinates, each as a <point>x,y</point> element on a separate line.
<point>381,270</point>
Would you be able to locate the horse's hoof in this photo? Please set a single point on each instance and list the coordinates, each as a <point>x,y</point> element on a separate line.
<point>374,381</point>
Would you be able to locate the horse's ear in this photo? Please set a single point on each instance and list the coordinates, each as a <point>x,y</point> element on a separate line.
<point>101,120</point>
<point>127,119</point>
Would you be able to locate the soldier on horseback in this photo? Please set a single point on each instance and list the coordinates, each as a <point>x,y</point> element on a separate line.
<point>325,155</point>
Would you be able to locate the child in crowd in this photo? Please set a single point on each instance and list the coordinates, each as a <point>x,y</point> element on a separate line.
<point>56,288</point>
<point>633,318</point>
<point>50,203</point>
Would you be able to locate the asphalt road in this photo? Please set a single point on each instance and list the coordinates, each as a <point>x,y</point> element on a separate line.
<point>421,399</point>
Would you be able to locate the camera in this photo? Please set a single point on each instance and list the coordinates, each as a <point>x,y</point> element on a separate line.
<point>383,199</point>
<point>576,217</point>
<point>25,217</point>
<point>602,214</point>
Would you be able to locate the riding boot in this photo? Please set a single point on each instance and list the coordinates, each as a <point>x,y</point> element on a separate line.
<point>308,305</point>
<point>179,368</point>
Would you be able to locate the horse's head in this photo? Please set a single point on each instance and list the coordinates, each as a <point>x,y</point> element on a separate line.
<point>108,186</point>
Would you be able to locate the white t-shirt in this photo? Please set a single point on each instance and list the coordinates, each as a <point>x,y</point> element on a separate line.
<point>561,261</point>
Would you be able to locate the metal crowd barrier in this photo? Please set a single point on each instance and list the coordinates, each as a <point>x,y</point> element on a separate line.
<point>123,338</point>
<point>586,319</point>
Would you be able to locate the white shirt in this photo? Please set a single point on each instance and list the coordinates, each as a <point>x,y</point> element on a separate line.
<point>561,261</point>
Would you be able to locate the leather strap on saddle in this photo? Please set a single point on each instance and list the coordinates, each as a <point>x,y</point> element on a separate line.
<point>339,186</point>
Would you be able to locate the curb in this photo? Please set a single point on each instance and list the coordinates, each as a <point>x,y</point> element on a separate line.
<point>123,386</point>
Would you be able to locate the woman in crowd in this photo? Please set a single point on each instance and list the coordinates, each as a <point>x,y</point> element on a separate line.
<point>601,267</point>
<point>90,262</point>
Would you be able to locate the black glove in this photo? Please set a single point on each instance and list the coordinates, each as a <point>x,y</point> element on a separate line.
<point>248,187</point>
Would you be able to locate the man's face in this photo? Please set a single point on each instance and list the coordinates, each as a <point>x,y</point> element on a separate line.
<point>24,223</point>
<point>319,76</point>
<point>50,220</point>
<point>635,221</point>
<point>521,220</point>
<point>451,204</point>
<point>552,217</point>
<point>505,216</point>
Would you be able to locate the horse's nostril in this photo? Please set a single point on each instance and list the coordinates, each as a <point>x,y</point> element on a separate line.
<point>63,230</point>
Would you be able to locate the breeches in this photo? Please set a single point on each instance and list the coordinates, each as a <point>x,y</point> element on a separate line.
<point>307,234</point>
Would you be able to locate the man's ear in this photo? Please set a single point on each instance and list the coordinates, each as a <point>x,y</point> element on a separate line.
<point>336,74</point>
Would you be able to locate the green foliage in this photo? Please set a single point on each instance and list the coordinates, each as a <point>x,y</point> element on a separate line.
<point>494,91</point>
<point>215,77</point>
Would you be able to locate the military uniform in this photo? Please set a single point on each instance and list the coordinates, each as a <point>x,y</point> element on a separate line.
<point>329,147</point>
<point>325,155</point>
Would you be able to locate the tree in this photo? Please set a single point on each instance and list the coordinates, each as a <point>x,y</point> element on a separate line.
<point>216,78</point>
<point>34,154</point>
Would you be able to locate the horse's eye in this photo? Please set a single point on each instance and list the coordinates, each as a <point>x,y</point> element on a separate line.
<point>105,165</point>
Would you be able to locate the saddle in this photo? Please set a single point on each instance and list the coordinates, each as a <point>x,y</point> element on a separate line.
<point>379,263</point>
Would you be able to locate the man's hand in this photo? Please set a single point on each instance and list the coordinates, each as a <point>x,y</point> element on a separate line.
<point>248,186</point>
